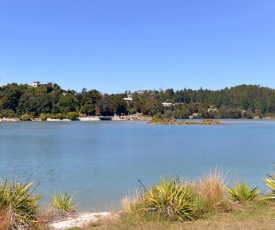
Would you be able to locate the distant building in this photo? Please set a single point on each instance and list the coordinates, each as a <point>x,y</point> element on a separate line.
<point>130,95</point>
<point>141,92</point>
<point>166,104</point>
<point>128,99</point>
<point>211,109</point>
<point>36,84</point>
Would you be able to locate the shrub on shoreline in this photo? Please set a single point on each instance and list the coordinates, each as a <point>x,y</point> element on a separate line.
<point>26,117</point>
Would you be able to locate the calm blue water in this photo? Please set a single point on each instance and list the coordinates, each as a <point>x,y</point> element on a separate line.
<point>102,161</point>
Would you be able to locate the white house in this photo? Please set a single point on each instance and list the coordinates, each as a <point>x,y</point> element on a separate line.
<point>166,104</point>
<point>128,99</point>
<point>36,84</point>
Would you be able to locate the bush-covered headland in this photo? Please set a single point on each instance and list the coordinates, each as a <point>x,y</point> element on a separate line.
<point>51,101</point>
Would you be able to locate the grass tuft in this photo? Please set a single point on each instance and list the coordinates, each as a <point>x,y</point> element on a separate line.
<point>211,189</point>
<point>131,203</point>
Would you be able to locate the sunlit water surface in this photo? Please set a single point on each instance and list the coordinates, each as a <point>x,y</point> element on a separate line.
<point>102,161</point>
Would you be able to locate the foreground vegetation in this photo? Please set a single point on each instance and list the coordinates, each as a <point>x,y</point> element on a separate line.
<point>256,215</point>
<point>205,203</point>
<point>51,101</point>
<point>18,207</point>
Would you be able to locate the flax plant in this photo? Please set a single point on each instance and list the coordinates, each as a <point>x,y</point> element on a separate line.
<point>242,192</point>
<point>270,182</point>
<point>172,199</point>
<point>18,206</point>
<point>63,202</point>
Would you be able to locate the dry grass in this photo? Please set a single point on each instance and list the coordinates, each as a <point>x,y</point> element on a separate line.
<point>4,220</point>
<point>211,188</point>
<point>130,202</point>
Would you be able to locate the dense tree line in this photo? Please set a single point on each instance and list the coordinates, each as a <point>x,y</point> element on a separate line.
<point>49,100</point>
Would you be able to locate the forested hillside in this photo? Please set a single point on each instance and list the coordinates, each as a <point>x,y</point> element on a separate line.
<point>50,100</point>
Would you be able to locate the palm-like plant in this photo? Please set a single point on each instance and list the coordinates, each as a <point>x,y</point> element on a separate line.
<point>63,202</point>
<point>172,199</point>
<point>270,182</point>
<point>242,192</point>
<point>18,204</point>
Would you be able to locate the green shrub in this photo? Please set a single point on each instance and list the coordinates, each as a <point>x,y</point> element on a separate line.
<point>59,116</point>
<point>171,199</point>
<point>44,116</point>
<point>63,202</point>
<point>8,113</point>
<point>26,117</point>
<point>242,192</point>
<point>160,119</point>
<point>12,115</point>
<point>72,116</point>
<point>17,205</point>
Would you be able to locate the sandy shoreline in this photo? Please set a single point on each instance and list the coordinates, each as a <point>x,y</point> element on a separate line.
<point>81,220</point>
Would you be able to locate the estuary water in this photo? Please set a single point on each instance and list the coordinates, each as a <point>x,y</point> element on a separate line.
<point>102,161</point>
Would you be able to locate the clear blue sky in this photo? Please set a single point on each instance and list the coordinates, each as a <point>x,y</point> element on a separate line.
<point>118,45</point>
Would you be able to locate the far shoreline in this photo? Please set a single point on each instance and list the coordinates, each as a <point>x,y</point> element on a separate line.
<point>193,121</point>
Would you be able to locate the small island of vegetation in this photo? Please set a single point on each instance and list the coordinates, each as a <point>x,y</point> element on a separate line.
<point>159,119</point>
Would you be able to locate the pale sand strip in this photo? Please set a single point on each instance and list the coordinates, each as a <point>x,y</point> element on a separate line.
<point>80,221</point>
